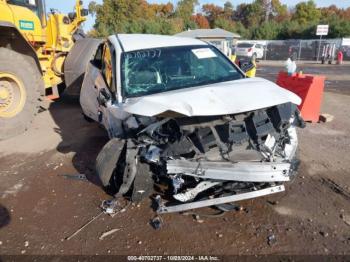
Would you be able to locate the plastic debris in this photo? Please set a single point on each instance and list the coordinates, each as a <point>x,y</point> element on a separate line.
<point>271,240</point>
<point>110,232</point>
<point>112,207</point>
<point>326,118</point>
<point>75,177</point>
<point>157,222</point>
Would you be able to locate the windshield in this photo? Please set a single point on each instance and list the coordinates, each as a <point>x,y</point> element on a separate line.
<point>158,70</point>
<point>245,45</point>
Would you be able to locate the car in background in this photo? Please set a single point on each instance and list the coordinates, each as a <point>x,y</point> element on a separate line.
<point>183,119</point>
<point>252,50</point>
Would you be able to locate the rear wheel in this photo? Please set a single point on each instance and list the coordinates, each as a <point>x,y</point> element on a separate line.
<point>20,83</point>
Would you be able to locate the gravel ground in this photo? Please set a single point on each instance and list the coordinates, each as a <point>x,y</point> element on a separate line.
<point>39,208</point>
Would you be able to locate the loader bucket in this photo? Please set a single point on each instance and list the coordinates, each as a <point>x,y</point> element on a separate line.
<point>76,62</point>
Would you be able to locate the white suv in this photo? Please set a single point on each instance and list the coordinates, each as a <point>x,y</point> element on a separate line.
<point>252,50</point>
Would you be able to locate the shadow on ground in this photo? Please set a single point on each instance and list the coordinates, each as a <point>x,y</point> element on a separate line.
<point>4,216</point>
<point>80,138</point>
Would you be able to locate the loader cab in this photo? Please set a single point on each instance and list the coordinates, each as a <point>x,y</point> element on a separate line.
<point>37,6</point>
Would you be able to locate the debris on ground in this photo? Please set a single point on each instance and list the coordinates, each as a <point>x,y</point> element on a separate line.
<point>198,219</point>
<point>157,222</point>
<point>271,240</point>
<point>75,177</point>
<point>84,226</point>
<point>326,118</point>
<point>113,206</point>
<point>345,218</point>
<point>324,234</point>
<point>110,232</point>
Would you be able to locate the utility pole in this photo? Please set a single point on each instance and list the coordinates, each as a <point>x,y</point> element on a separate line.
<point>268,9</point>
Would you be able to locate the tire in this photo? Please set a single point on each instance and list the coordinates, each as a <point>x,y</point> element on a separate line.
<point>107,160</point>
<point>16,67</point>
<point>110,167</point>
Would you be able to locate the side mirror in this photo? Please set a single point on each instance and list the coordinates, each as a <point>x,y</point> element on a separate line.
<point>245,66</point>
<point>103,97</point>
<point>72,16</point>
<point>84,12</point>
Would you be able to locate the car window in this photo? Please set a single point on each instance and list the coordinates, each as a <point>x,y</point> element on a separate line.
<point>97,61</point>
<point>245,45</point>
<point>107,69</point>
<point>158,70</point>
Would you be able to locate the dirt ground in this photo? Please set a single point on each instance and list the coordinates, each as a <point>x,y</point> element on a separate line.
<point>39,208</point>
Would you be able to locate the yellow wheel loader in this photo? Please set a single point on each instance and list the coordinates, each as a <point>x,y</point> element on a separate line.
<point>38,52</point>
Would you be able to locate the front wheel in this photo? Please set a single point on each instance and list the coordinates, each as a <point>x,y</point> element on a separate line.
<point>20,83</point>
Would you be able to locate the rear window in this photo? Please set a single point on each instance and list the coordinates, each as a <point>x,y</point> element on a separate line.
<point>245,45</point>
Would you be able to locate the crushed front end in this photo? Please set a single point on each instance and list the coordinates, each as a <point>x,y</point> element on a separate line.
<point>201,161</point>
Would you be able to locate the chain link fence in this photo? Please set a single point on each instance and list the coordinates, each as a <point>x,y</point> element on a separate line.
<point>303,49</point>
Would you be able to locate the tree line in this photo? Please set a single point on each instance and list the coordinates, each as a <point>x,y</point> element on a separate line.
<point>261,19</point>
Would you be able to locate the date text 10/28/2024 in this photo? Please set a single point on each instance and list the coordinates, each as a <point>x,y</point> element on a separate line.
<point>173,258</point>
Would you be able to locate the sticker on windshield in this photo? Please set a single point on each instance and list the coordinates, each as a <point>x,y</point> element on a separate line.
<point>203,53</point>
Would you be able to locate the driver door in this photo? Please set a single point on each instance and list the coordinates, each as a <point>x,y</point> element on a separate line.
<point>95,93</point>
<point>98,94</point>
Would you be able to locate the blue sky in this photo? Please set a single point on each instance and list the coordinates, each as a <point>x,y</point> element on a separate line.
<point>66,6</point>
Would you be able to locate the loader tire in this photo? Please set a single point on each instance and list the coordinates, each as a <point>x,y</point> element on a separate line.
<point>20,85</point>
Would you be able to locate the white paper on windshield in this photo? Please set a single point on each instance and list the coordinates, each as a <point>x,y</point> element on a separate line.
<point>203,53</point>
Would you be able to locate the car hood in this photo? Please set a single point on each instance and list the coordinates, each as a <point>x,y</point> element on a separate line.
<point>216,99</point>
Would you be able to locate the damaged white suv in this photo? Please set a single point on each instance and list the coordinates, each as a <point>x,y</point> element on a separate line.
<point>184,120</point>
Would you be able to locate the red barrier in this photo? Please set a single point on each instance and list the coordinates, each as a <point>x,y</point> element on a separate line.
<point>340,57</point>
<point>309,88</point>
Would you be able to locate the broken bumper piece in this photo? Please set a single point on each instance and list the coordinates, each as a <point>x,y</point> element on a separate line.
<point>241,171</point>
<point>162,209</point>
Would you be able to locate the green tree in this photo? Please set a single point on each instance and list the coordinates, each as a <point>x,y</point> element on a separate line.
<point>228,10</point>
<point>268,30</point>
<point>306,13</point>
<point>261,19</point>
<point>116,16</point>
<point>251,15</point>
<point>212,12</point>
<point>225,24</point>
<point>184,10</point>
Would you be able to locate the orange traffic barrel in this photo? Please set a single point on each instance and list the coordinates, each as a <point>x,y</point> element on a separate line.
<point>309,88</point>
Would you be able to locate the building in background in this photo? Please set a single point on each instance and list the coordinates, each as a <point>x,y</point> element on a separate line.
<point>218,37</point>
